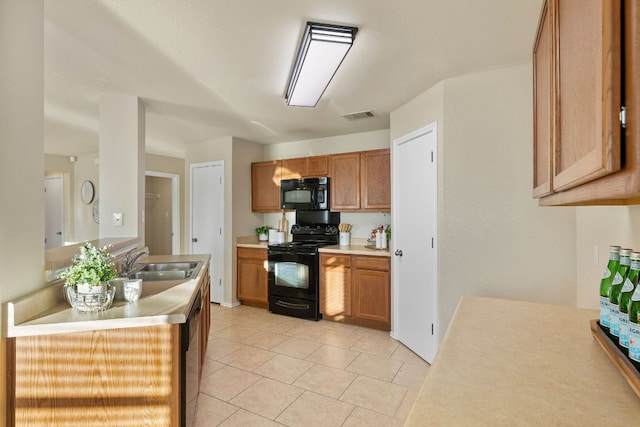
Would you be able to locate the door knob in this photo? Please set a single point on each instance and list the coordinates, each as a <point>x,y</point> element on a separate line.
<point>194,240</point>
<point>398,252</point>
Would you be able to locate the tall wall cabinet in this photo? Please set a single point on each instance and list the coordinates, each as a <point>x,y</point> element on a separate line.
<point>586,77</point>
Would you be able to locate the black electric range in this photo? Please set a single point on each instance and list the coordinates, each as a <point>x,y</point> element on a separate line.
<point>294,266</point>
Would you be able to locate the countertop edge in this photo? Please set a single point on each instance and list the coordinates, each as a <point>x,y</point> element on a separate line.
<point>168,306</point>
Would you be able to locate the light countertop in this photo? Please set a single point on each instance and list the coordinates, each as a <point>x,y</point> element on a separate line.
<point>507,363</point>
<point>46,311</point>
<point>251,242</point>
<point>356,248</point>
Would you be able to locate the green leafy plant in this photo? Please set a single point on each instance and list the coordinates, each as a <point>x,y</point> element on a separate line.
<point>263,229</point>
<point>91,266</point>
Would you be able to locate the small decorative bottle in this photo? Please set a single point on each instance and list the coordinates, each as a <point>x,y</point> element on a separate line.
<point>614,292</point>
<point>634,328</point>
<point>605,284</point>
<point>628,288</point>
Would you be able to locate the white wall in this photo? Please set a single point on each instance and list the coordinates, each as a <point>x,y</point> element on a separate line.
<point>21,157</point>
<point>85,168</point>
<point>493,238</point>
<point>122,165</point>
<point>597,228</point>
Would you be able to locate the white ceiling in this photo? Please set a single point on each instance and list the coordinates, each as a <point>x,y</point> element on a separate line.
<point>212,68</point>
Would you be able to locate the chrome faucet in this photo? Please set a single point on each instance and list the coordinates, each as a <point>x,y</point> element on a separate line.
<point>128,261</point>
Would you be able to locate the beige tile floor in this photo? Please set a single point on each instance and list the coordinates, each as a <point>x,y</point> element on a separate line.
<point>264,369</point>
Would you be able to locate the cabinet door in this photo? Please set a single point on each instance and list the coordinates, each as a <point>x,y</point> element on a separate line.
<point>335,285</point>
<point>317,166</point>
<point>375,180</point>
<point>265,186</point>
<point>252,275</point>
<point>588,91</point>
<point>372,289</point>
<point>294,168</point>
<point>542,112</point>
<point>344,170</point>
<point>371,295</point>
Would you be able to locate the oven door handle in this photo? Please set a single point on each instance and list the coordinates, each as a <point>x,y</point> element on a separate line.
<point>291,305</point>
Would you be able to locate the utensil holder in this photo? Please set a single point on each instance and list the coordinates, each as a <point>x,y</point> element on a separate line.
<point>345,238</point>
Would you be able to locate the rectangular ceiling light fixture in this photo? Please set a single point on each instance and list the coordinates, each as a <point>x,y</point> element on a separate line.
<point>321,52</point>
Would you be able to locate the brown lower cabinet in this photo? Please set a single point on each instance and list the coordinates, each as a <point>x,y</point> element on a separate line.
<point>252,277</point>
<point>126,376</point>
<point>356,289</point>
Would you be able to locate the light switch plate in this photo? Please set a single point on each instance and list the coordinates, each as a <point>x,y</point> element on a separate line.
<point>117,219</point>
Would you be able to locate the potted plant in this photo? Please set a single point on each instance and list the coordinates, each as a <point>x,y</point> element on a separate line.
<point>263,232</point>
<point>87,279</point>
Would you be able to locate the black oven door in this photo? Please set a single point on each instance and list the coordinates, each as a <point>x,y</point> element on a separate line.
<point>293,284</point>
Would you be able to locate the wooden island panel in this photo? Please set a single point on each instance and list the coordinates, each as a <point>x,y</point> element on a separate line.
<point>127,376</point>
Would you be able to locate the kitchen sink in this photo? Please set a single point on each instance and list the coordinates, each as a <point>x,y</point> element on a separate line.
<point>169,266</point>
<point>161,275</point>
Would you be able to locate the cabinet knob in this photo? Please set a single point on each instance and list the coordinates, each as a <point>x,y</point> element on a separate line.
<point>398,252</point>
<point>194,240</point>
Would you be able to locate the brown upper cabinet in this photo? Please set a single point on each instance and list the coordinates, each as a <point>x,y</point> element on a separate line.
<point>265,186</point>
<point>305,167</point>
<point>360,181</point>
<point>375,180</point>
<point>344,171</point>
<point>585,73</point>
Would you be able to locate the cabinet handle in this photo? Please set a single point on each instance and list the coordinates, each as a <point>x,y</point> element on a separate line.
<point>194,240</point>
<point>398,252</point>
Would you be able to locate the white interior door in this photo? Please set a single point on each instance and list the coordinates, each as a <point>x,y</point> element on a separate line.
<point>207,220</point>
<point>54,202</point>
<point>414,241</point>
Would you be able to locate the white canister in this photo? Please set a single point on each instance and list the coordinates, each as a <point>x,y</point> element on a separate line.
<point>383,244</point>
<point>379,239</point>
<point>273,236</point>
<point>280,238</point>
<point>345,238</point>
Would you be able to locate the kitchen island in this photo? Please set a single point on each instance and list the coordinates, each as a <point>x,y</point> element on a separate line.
<point>506,363</point>
<point>122,366</point>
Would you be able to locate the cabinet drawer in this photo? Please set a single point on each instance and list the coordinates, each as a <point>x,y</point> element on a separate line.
<point>371,263</point>
<point>335,260</point>
<point>252,253</point>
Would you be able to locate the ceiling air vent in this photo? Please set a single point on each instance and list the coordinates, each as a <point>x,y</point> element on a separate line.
<point>359,115</point>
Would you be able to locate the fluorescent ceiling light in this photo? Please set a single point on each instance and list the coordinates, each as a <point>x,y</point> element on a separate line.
<point>321,52</point>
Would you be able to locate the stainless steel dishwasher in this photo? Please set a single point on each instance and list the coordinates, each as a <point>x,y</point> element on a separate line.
<point>190,363</point>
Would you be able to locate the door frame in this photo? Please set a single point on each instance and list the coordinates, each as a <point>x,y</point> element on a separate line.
<point>395,285</point>
<point>175,207</point>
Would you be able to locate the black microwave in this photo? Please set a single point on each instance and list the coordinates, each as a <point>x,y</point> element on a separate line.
<point>305,194</point>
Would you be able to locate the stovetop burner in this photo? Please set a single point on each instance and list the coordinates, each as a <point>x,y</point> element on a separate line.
<point>308,238</point>
<point>314,229</point>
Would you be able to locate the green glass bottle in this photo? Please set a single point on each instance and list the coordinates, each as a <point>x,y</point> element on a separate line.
<point>628,287</point>
<point>634,327</point>
<point>614,292</point>
<point>605,284</point>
